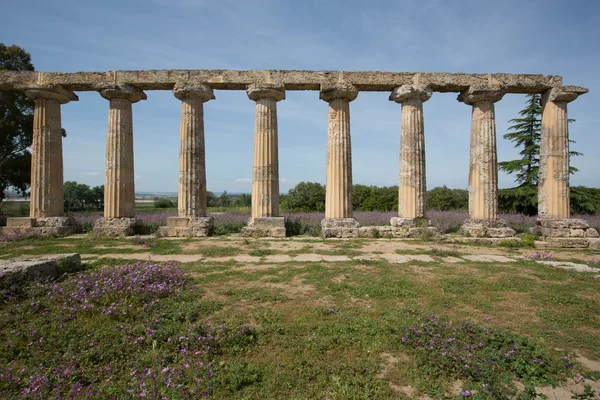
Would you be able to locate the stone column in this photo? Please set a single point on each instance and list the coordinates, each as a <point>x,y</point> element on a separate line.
<point>47,201</point>
<point>265,220</point>
<point>412,188</point>
<point>483,165</point>
<point>554,212</point>
<point>191,219</point>
<point>119,191</point>
<point>338,220</point>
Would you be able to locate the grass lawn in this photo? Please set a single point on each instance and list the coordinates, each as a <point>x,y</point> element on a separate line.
<point>230,326</point>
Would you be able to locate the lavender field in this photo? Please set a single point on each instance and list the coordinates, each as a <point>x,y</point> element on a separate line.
<point>309,223</point>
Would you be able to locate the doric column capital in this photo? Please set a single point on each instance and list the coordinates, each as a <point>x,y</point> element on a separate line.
<point>125,92</point>
<point>51,92</point>
<point>273,91</point>
<point>406,92</point>
<point>559,94</point>
<point>481,94</point>
<point>201,91</point>
<point>338,91</point>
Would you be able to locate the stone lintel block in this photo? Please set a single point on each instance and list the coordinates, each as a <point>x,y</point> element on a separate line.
<point>188,227</point>
<point>339,223</point>
<point>338,91</point>
<point>412,222</point>
<point>342,233</point>
<point>495,228</point>
<point>51,92</point>
<point>115,227</point>
<point>126,92</point>
<point>405,92</point>
<point>200,91</point>
<point>178,222</point>
<point>20,222</point>
<point>571,223</point>
<point>20,269</point>
<point>265,227</point>
<point>568,243</point>
<point>266,91</point>
<point>560,94</point>
<point>56,222</point>
<point>578,233</point>
<point>591,233</point>
<point>479,94</point>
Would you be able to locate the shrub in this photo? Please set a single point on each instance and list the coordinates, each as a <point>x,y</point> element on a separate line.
<point>161,202</point>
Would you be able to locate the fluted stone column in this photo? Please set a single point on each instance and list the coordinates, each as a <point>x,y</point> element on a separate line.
<point>483,165</point>
<point>119,190</point>
<point>554,211</point>
<point>338,220</point>
<point>191,219</point>
<point>412,188</point>
<point>265,220</point>
<point>47,201</point>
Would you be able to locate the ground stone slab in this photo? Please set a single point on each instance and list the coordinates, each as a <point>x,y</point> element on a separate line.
<point>570,266</point>
<point>452,260</point>
<point>395,258</point>
<point>277,258</point>
<point>309,257</point>
<point>53,266</point>
<point>420,257</point>
<point>335,258</point>
<point>487,258</point>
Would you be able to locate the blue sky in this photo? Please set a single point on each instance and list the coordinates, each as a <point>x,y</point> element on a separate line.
<point>548,37</point>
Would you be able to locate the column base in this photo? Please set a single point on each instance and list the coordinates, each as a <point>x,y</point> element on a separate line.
<point>486,228</point>
<point>41,226</point>
<point>567,233</point>
<point>188,227</point>
<point>265,227</point>
<point>340,228</point>
<point>115,227</point>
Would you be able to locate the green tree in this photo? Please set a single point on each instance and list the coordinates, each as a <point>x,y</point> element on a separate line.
<point>224,199</point>
<point>525,133</point>
<point>16,125</point>
<point>243,200</point>
<point>306,196</point>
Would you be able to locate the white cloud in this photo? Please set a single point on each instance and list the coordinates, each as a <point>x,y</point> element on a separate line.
<point>242,181</point>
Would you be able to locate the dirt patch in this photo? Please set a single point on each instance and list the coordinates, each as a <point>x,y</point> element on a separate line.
<point>293,289</point>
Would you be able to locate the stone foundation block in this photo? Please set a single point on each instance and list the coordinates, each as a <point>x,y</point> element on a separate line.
<point>24,269</point>
<point>115,227</point>
<point>42,226</point>
<point>188,227</point>
<point>591,233</point>
<point>482,228</point>
<point>594,244</point>
<point>568,243</point>
<point>346,233</point>
<point>571,223</point>
<point>339,223</point>
<point>265,227</point>
<point>410,222</point>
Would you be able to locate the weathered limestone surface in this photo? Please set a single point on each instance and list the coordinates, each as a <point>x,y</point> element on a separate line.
<point>265,220</point>
<point>188,227</point>
<point>25,269</point>
<point>412,188</point>
<point>119,191</point>
<point>553,187</point>
<point>483,172</point>
<point>192,220</point>
<point>46,204</point>
<point>338,197</point>
<point>291,79</point>
<point>566,232</point>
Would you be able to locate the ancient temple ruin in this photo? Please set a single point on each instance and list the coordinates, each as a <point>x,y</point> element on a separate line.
<point>338,88</point>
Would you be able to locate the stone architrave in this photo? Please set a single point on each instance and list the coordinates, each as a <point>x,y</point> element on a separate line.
<point>338,220</point>
<point>412,188</point>
<point>555,222</point>
<point>483,165</point>
<point>119,190</point>
<point>265,220</point>
<point>191,219</point>
<point>47,200</point>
